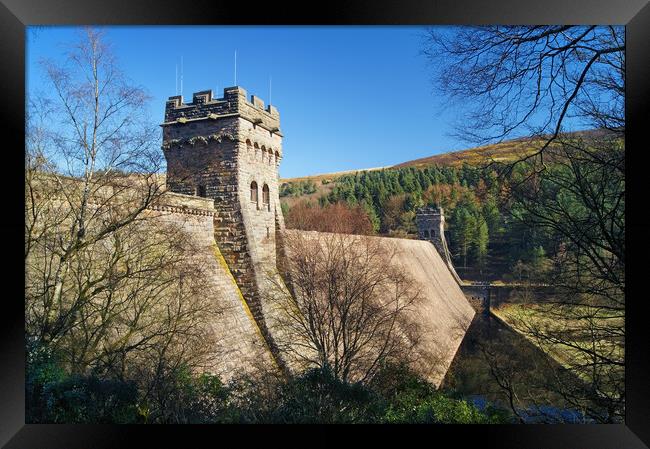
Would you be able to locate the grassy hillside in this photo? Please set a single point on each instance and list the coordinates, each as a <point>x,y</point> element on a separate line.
<point>478,156</point>
<point>501,152</point>
<point>579,342</point>
<point>507,151</point>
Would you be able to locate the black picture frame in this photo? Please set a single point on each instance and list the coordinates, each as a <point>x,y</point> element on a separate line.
<point>15,15</point>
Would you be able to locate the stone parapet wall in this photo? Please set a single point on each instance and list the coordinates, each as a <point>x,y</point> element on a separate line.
<point>184,204</point>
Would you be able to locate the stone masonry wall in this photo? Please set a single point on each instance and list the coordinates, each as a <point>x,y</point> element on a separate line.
<point>217,148</point>
<point>228,150</point>
<point>430,222</point>
<point>241,347</point>
<point>442,314</point>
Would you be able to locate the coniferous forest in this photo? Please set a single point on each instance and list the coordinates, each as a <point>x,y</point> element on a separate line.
<point>480,225</point>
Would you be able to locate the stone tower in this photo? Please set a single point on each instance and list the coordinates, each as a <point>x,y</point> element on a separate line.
<point>229,149</point>
<point>430,222</point>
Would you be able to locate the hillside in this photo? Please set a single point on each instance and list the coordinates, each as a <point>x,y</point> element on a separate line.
<point>311,188</point>
<point>501,152</point>
<point>509,150</point>
<point>483,238</point>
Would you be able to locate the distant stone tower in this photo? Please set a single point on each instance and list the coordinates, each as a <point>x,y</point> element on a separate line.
<point>229,149</point>
<point>430,222</point>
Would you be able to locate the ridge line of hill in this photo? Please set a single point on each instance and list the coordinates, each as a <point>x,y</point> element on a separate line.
<point>499,152</point>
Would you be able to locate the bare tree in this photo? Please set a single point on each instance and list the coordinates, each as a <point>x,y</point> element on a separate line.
<point>528,80</point>
<point>338,217</point>
<point>112,287</point>
<point>83,144</point>
<point>543,81</point>
<point>346,310</point>
<point>580,200</point>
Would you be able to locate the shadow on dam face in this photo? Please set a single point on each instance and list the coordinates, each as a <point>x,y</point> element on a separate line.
<point>489,341</point>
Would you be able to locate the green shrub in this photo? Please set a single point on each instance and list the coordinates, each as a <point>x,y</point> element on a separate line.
<point>411,399</point>
<point>435,408</point>
<point>395,395</point>
<point>318,397</point>
<point>53,396</point>
<point>80,399</point>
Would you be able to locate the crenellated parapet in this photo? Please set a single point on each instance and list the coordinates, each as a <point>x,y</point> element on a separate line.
<point>182,210</point>
<point>233,104</point>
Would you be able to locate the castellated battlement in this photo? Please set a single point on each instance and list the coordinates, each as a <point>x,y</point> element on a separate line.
<point>234,103</point>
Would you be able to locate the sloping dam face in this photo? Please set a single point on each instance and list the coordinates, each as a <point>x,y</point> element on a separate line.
<point>239,347</point>
<point>442,314</point>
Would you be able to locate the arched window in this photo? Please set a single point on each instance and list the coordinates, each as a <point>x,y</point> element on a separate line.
<point>263,152</point>
<point>200,190</point>
<point>277,156</point>
<point>266,197</point>
<point>249,145</point>
<point>433,233</point>
<point>426,233</point>
<point>254,192</point>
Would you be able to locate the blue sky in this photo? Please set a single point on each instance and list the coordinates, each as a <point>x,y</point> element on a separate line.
<point>349,97</point>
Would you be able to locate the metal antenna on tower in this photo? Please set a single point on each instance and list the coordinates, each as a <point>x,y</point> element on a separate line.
<point>181,76</point>
<point>235,67</point>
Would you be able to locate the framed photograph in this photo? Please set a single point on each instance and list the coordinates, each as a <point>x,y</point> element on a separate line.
<point>378,215</point>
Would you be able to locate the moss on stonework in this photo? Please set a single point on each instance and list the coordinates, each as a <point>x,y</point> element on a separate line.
<point>222,262</point>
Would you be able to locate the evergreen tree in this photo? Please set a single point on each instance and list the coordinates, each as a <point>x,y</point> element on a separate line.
<point>492,216</point>
<point>481,239</point>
